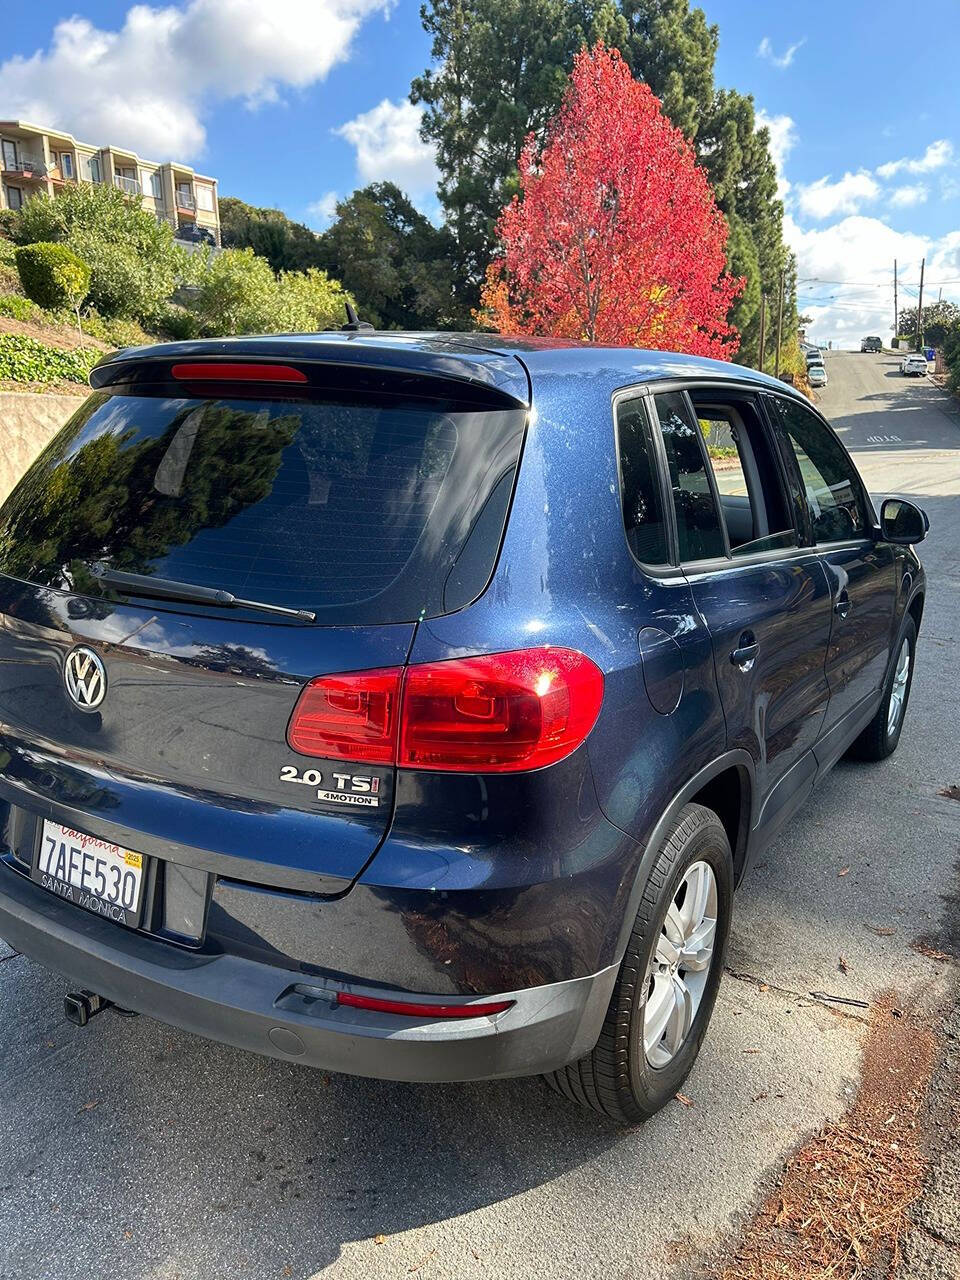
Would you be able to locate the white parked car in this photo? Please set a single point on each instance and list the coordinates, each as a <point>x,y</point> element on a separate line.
<point>916,363</point>
<point>816,375</point>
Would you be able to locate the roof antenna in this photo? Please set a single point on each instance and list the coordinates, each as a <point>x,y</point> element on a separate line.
<point>354,323</point>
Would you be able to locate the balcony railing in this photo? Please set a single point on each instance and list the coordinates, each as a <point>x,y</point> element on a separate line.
<point>185,200</point>
<point>29,168</point>
<point>130,185</point>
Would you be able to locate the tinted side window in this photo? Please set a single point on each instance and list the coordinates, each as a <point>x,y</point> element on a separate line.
<point>699,534</point>
<point>835,495</point>
<point>746,475</point>
<point>640,492</point>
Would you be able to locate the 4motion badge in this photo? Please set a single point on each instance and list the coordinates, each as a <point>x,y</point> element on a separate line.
<point>359,790</point>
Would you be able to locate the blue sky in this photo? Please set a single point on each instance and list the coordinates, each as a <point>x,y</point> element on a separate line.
<point>293,102</point>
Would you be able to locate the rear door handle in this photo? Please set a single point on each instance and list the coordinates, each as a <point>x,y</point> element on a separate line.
<point>745,655</point>
<point>841,606</point>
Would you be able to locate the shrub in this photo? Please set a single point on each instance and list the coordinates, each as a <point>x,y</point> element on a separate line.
<point>176,323</point>
<point>134,262</point>
<point>52,275</point>
<point>237,293</point>
<point>311,300</point>
<point>8,220</point>
<point>17,307</point>
<point>25,359</point>
<point>114,331</point>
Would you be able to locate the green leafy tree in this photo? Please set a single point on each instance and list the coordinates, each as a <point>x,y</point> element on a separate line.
<point>499,69</point>
<point>939,319</point>
<point>671,47</point>
<point>287,245</point>
<point>134,263</point>
<point>237,293</point>
<point>396,263</point>
<point>310,301</point>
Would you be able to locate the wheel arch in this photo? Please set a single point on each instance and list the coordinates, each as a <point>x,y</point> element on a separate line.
<point>727,786</point>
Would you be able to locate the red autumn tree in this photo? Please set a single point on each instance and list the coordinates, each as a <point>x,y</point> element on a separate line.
<point>615,236</point>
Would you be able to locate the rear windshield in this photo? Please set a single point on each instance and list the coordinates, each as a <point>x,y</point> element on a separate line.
<point>362,510</point>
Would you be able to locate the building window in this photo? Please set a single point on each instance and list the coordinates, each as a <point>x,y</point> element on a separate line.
<point>205,198</point>
<point>14,197</point>
<point>66,164</point>
<point>94,168</point>
<point>156,186</point>
<point>9,154</point>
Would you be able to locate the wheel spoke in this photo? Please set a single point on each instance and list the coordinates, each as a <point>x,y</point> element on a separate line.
<point>698,948</point>
<point>695,902</point>
<point>667,952</point>
<point>681,1015</point>
<point>656,1015</point>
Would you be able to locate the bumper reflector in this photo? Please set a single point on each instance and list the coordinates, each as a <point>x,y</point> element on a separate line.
<point>412,1009</point>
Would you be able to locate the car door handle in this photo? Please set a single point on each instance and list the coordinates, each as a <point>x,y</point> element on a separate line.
<point>841,606</point>
<point>745,655</point>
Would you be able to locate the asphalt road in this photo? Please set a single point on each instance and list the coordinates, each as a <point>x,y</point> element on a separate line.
<point>136,1151</point>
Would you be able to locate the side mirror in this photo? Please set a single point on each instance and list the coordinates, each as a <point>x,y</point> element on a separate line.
<point>902,522</point>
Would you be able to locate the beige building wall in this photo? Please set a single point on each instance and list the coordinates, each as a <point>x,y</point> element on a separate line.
<point>34,159</point>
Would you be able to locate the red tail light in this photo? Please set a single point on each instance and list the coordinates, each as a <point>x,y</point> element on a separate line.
<point>500,712</point>
<point>496,713</point>
<point>349,717</point>
<point>410,1009</point>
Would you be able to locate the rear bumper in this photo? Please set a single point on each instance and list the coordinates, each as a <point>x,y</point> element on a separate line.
<point>282,1014</point>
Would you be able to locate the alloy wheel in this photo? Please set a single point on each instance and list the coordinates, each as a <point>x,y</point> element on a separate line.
<point>680,965</point>
<point>898,690</point>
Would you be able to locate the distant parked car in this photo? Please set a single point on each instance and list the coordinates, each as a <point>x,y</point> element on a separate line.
<point>814,356</point>
<point>871,344</point>
<point>913,364</point>
<point>193,234</point>
<point>816,374</point>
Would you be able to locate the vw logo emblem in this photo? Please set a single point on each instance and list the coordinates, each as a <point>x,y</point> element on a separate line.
<point>85,677</point>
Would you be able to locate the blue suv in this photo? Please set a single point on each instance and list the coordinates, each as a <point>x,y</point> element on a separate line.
<point>410,705</point>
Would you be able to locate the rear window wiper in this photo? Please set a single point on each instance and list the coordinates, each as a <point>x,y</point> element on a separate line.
<point>142,584</point>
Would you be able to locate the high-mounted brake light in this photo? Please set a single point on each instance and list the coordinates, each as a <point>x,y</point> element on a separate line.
<point>221,371</point>
<point>411,1009</point>
<point>495,713</point>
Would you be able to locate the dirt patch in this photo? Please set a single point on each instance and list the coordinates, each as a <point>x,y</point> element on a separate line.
<point>839,1208</point>
<point>54,335</point>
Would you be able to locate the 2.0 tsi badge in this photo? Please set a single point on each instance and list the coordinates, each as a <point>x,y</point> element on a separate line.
<point>85,678</point>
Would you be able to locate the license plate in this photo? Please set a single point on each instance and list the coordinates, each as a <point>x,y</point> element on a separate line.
<point>91,873</point>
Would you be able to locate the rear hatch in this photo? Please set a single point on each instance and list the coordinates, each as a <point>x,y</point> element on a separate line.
<point>330,512</point>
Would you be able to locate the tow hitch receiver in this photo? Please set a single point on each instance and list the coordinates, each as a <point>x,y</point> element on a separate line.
<point>80,1006</point>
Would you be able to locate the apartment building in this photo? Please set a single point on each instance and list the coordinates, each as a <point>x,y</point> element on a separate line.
<point>37,159</point>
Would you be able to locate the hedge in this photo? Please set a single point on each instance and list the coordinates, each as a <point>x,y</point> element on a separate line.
<point>52,275</point>
<point>25,359</point>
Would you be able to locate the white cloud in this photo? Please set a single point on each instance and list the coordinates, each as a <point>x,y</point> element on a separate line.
<point>146,85</point>
<point>323,211</point>
<point>389,147</point>
<point>765,50</point>
<point>825,199</point>
<point>908,196</point>
<point>936,156</point>
<point>783,136</point>
<point>848,267</point>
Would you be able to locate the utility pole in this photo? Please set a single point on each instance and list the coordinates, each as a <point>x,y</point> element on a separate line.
<point>763,325</point>
<point>923,263</point>
<point>896,313</point>
<point>779,325</point>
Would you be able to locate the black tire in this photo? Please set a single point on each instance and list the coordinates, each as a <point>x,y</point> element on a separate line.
<point>877,741</point>
<point>616,1079</point>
